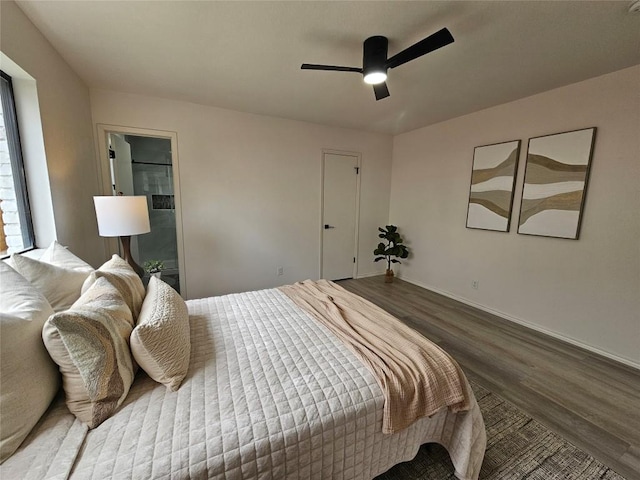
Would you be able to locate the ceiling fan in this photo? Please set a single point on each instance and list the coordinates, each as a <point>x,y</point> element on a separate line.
<point>375,62</point>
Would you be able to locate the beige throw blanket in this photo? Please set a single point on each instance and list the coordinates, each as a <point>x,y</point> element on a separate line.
<point>416,376</point>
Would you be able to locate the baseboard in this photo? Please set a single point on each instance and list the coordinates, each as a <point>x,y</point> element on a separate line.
<point>372,274</point>
<point>524,323</point>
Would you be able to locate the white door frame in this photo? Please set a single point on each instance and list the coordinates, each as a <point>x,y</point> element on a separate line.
<point>112,244</point>
<point>357,219</point>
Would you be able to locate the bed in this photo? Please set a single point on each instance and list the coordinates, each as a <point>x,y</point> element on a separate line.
<point>269,393</point>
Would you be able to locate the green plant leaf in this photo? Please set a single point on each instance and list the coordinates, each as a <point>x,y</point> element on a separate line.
<point>380,249</point>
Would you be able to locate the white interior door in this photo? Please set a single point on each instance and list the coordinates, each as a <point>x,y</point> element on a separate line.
<point>339,215</point>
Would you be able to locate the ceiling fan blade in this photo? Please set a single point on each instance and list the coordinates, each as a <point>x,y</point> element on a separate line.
<point>331,68</point>
<point>381,90</point>
<point>432,42</point>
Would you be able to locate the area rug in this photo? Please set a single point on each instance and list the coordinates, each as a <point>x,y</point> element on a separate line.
<point>518,447</point>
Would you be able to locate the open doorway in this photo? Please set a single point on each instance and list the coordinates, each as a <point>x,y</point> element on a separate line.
<point>144,165</point>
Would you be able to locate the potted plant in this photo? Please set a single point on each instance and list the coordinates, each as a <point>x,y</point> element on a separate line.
<point>393,248</point>
<point>154,267</point>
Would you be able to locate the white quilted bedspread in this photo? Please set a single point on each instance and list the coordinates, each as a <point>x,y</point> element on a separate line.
<point>270,393</point>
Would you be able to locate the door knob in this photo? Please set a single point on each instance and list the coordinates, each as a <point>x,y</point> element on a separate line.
<point>327,226</point>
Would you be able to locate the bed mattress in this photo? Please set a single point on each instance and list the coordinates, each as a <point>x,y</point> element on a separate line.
<point>270,393</point>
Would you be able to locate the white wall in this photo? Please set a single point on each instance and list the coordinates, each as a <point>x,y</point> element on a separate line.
<point>588,290</point>
<point>251,188</point>
<point>65,111</point>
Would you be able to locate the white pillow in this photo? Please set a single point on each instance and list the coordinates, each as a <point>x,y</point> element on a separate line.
<point>60,256</point>
<point>29,379</point>
<point>60,286</point>
<point>161,343</point>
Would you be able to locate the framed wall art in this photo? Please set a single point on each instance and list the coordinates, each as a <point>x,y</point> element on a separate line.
<point>493,177</point>
<point>555,183</point>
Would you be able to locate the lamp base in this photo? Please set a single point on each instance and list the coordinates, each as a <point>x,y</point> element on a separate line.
<point>126,250</point>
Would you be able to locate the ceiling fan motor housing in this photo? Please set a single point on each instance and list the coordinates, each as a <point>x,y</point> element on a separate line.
<point>374,58</point>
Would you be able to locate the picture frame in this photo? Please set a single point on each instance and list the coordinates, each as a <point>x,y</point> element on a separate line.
<point>555,183</point>
<point>491,190</point>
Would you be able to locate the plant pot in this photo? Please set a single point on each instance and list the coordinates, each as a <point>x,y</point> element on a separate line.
<point>156,274</point>
<point>388,276</point>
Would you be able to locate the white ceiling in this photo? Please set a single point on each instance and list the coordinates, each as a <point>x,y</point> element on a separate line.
<point>246,56</point>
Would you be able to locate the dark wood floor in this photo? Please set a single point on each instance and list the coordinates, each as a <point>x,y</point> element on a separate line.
<point>590,400</point>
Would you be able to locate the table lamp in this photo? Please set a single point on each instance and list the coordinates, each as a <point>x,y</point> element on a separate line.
<point>123,216</point>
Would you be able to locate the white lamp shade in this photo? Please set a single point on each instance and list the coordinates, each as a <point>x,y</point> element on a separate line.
<point>120,216</point>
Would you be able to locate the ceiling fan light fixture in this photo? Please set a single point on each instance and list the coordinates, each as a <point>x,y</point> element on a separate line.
<point>374,78</point>
<point>374,58</point>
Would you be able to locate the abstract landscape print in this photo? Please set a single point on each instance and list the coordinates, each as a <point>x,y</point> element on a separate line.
<point>555,183</point>
<point>492,181</point>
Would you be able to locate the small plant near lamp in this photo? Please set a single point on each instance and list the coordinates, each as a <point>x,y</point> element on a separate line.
<point>154,268</point>
<point>393,248</point>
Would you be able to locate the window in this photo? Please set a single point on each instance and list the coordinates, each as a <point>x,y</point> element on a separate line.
<point>17,230</point>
